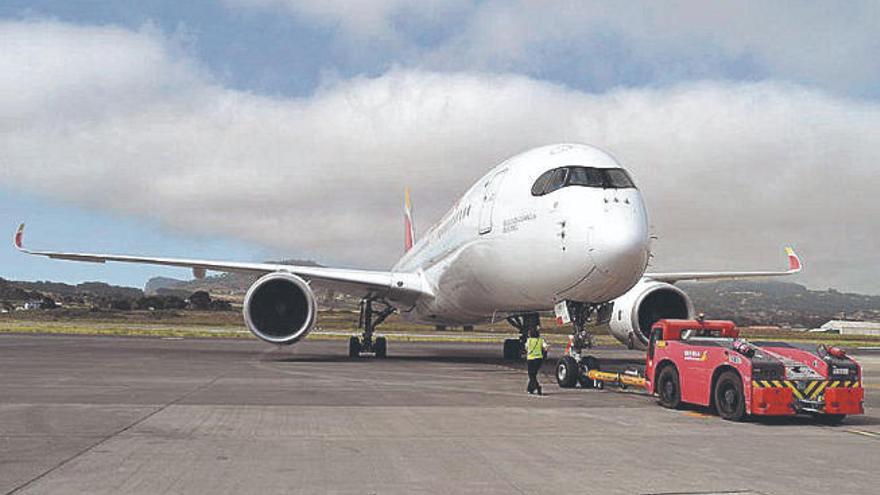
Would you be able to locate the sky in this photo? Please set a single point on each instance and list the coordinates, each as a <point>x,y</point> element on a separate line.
<point>267,129</point>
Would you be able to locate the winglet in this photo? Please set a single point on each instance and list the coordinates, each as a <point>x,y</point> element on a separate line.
<point>19,238</point>
<point>794,262</point>
<point>409,233</point>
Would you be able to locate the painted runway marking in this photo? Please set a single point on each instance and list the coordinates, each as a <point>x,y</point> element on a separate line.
<point>865,433</point>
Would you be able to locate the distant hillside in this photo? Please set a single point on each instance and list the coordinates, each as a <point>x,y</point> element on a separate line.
<point>9,291</point>
<point>156,283</point>
<point>779,303</point>
<point>86,289</point>
<point>228,283</point>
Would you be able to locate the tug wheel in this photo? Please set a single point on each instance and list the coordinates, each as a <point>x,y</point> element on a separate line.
<point>567,372</point>
<point>669,387</point>
<point>729,399</point>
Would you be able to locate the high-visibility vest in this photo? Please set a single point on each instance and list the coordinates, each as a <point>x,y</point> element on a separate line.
<point>534,348</point>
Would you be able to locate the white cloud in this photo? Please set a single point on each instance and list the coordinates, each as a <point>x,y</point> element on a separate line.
<point>121,121</point>
<point>602,44</point>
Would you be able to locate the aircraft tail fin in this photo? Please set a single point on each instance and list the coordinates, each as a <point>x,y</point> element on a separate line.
<point>409,233</point>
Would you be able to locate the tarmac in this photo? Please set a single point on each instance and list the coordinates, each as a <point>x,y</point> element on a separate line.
<point>135,415</point>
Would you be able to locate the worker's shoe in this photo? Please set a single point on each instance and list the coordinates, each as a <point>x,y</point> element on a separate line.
<point>540,392</point>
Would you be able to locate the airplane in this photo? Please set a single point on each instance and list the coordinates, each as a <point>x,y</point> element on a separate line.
<point>560,228</point>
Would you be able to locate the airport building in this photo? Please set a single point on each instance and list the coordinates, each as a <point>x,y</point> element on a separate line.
<point>846,327</point>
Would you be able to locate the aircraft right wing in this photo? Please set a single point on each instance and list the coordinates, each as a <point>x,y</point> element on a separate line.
<point>794,266</point>
<point>360,283</point>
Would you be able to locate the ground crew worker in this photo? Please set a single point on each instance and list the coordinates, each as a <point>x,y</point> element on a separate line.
<point>536,347</point>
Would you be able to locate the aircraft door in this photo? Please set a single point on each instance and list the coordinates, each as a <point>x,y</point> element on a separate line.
<point>490,191</point>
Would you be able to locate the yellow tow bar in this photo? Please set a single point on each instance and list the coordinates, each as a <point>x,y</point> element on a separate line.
<point>619,379</point>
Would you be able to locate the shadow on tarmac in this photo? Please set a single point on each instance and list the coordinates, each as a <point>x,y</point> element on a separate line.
<point>783,421</point>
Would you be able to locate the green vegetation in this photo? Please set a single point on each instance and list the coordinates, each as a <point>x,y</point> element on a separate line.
<point>332,325</point>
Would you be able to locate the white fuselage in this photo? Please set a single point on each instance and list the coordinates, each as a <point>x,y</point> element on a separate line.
<point>502,250</point>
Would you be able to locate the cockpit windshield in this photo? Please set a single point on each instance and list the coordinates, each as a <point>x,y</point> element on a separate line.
<point>557,178</point>
<point>590,177</point>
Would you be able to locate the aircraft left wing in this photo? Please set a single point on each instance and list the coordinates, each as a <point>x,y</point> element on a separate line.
<point>794,266</point>
<point>359,283</point>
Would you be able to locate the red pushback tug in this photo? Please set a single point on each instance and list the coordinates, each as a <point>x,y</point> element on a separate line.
<point>705,362</point>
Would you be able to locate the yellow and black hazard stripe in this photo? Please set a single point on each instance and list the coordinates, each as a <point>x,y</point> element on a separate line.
<point>805,390</point>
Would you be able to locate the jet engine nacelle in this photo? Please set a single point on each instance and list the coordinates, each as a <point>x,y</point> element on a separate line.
<point>280,308</point>
<point>634,313</point>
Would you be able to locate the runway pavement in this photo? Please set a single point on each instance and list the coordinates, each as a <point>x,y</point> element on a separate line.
<point>129,415</point>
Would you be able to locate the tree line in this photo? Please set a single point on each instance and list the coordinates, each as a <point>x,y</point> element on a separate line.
<point>98,295</point>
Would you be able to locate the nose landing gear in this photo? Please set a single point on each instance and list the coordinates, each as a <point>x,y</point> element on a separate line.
<point>368,321</point>
<point>580,314</point>
<point>574,364</point>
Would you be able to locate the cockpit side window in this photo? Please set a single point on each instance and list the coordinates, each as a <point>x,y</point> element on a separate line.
<point>560,176</point>
<point>617,178</point>
<point>541,183</point>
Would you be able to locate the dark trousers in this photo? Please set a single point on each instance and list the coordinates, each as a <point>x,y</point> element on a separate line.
<point>534,368</point>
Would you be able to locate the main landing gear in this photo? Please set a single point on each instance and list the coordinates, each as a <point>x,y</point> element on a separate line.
<point>514,349</point>
<point>368,321</point>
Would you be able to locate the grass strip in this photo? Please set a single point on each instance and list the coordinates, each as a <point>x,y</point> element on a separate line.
<point>398,333</point>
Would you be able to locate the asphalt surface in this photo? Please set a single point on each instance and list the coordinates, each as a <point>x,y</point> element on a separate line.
<point>128,415</point>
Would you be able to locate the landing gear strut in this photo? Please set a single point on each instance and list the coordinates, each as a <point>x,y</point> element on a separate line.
<point>515,348</point>
<point>580,314</point>
<point>368,321</point>
<point>574,364</point>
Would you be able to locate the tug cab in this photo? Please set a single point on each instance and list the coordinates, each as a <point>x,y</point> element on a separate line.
<point>685,329</point>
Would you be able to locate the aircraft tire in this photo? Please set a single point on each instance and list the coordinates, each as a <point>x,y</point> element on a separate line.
<point>354,347</point>
<point>381,347</point>
<point>567,372</point>
<point>588,363</point>
<point>511,349</point>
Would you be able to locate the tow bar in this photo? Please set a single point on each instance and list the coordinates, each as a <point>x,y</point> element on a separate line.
<point>620,380</point>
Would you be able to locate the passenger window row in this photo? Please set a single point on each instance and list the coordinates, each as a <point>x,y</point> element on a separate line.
<point>605,178</point>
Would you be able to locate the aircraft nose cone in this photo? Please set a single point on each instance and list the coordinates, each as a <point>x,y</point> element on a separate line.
<point>618,247</point>
<point>619,250</point>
